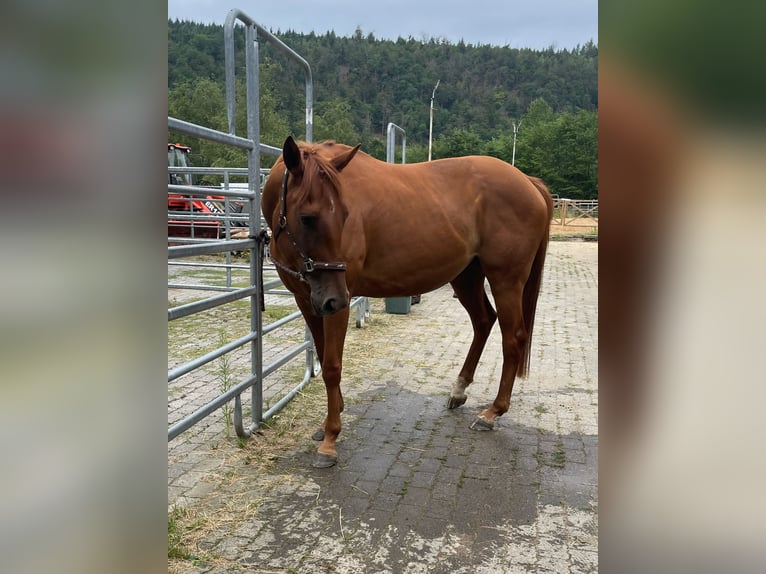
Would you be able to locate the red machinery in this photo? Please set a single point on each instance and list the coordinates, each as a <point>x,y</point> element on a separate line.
<point>203,217</point>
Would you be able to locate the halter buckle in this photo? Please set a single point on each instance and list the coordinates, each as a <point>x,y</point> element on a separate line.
<point>308,265</point>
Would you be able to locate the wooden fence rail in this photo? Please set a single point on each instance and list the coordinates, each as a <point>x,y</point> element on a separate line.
<point>575,212</point>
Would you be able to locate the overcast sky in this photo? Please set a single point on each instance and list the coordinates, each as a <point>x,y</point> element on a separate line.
<point>517,23</point>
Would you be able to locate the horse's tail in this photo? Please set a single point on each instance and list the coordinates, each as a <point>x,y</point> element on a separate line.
<point>534,281</point>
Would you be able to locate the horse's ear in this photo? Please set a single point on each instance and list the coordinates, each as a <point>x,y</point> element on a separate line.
<point>341,161</point>
<point>291,154</point>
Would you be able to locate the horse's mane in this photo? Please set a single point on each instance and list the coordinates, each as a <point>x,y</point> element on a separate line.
<point>315,165</point>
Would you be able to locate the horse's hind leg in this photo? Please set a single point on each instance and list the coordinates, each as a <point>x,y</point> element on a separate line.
<point>514,333</point>
<point>469,288</point>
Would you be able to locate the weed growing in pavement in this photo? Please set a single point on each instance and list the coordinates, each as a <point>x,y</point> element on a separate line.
<point>181,523</point>
<point>225,381</point>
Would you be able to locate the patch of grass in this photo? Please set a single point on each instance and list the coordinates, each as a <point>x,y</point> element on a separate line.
<point>181,523</point>
<point>559,457</point>
<point>276,312</point>
<point>214,276</point>
<point>187,528</point>
<point>175,549</point>
<point>295,422</point>
<point>540,409</point>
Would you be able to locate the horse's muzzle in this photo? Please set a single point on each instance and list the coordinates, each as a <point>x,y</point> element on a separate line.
<point>328,302</point>
<point>333,305</point>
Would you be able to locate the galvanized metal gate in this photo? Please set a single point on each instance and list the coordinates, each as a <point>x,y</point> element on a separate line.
<point>253,243</point>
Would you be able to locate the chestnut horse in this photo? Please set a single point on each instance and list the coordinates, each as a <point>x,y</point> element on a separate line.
<point>346,224</point>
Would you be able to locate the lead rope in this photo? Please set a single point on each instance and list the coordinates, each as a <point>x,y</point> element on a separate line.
<point>262,239</point>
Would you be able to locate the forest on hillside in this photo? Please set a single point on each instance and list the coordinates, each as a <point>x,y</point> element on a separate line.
<point>362,83</point>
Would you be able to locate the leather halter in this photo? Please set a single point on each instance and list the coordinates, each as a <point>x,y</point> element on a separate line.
<point>309,264</point>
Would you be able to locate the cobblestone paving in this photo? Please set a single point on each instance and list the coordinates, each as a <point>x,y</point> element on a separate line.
<point>415,490</point>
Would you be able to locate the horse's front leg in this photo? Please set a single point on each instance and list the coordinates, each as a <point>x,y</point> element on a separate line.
<point>334,327</point>
<point>316,326</point>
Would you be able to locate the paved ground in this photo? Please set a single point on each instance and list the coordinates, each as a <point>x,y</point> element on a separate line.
<point>414,490</point>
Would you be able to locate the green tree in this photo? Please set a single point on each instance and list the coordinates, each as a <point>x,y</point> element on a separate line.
<point>562,149</point>
<point>332,121</point>
<point>362,83</point>
<point>200,101</point>
<point>575,157</point>
<point>459,143</point>
<point>539,112</point>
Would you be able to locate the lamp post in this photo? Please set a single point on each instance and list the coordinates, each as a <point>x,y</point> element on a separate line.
<point>431,122</point>
<point>515,131</point>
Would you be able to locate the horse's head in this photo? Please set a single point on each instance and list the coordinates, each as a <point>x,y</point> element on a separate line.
<point>308,221</point>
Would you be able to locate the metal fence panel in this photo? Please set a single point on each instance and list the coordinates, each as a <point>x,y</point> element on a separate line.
<point>249,223</point>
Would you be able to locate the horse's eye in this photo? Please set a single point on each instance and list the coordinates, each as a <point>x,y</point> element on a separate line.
<point>308,220</point>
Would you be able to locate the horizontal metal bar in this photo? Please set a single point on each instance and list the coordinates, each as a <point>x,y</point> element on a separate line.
<point>271,150</point>
<point>231,346</point>
<point>198,287</point>
<point>207,217</point>
<point>197,131</point>
<point>218,402</point>
<point>203,264</point>
<point>286,358</point>
<point>237,171</point>
<point>288,397</point>
<point>210,407</point>
<point>272,283</point>
<point>173,374</point>
<point>208,248</point>
<point>283,321</point>
<point>235,219</point>
<point>177,241</point>
<point>205,191</point>
<point>209,303</point>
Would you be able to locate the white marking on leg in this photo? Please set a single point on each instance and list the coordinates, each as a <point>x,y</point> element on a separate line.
<point>458,389</point>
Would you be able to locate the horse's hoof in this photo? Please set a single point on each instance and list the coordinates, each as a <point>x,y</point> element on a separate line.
<point>324,460</point>
<point>318,435</point>
<point>482,424</point>
<point>455,402</point>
